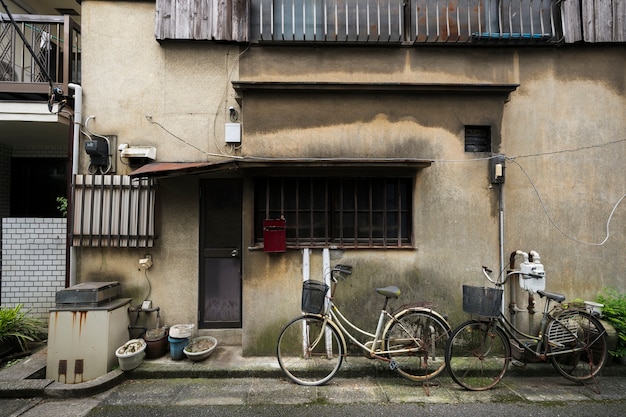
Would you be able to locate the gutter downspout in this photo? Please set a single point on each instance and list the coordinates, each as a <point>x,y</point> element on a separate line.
<point>78,117</point>
<point>503,272</point>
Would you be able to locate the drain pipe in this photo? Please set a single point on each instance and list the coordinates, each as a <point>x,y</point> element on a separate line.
<point>78,117</point>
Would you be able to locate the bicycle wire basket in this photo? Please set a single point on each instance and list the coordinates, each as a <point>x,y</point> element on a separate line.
<point>313,296</point>
<point>482,301</point>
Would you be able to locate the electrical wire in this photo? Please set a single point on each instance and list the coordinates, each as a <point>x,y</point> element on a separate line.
<point>229,76</point>
<point>149,119</point>
<point>145,271</point>
<point>608,223</point>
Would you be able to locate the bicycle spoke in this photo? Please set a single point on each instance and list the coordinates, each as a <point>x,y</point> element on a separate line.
<point>582,340</point>
<point>304,352</point>
<point>415,343</point>
<point>477,355</point>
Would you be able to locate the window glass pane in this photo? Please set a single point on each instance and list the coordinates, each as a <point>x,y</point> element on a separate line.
<point>378,225</point>
<point>346,194</point>
<point>319,224</point>
<point>290,187</point>
<point>319,194</point>
<point>363,195</point>
<point>378,195</point>
<point>348,226</point>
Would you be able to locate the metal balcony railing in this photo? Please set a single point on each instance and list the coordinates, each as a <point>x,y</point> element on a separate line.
<point>56,42</point>
<point>405,21</point>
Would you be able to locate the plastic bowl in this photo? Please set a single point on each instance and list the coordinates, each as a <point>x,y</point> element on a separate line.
<point>181,331</point>
<point>200,355</point>
<point>130,355</point>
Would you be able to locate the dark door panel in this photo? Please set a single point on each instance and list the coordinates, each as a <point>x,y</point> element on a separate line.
<point>220,252</point>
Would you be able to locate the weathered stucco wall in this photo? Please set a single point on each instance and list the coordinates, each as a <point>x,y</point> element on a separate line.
<point>128,75</point>
<point>563,125</point>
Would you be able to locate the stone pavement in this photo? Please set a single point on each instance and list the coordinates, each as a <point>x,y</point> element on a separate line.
<point>227,378</point>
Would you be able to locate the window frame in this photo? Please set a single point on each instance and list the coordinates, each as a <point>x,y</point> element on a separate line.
<point>317,207</point>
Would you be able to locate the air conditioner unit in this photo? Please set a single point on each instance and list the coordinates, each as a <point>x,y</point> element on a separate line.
<point>148,152</point>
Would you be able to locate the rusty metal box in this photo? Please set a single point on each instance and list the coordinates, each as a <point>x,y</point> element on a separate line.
<point>90,294</point>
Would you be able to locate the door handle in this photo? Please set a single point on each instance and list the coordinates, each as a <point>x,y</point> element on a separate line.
<point>234,253</point>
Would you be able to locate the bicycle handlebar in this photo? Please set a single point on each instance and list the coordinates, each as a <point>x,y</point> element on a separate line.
<point>340,270</point>
<point>487,271</point>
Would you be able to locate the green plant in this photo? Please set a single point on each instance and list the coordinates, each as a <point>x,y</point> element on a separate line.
<point>17,326</point>
<point>614,311</point>
<point>62,205</point>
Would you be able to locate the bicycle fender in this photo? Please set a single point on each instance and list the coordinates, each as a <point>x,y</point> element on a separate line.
<point>425,310</point>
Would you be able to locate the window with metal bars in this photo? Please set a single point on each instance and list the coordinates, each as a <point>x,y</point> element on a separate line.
<point>346,212</point>
<point>113,211</point>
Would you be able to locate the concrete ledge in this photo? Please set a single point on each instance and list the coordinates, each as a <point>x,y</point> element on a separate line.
<point>85,389</point>
<point>23,388</point>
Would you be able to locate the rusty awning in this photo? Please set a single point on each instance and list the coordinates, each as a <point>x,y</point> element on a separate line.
<point>169,169</point>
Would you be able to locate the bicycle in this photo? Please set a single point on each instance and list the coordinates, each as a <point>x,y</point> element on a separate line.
<point>479,351</point>
<point>311,347</point>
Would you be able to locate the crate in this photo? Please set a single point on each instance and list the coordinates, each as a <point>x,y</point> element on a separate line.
<point>313,296</point>
<point>483,301</point>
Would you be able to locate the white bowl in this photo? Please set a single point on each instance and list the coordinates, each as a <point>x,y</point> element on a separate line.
<point>594,308</point>
<point>203,354</point>
<point>181,331</point>
<point>130,355</point>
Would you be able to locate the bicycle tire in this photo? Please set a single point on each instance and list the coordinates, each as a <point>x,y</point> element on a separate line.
<point>478,355</point>
<point>426,335</point>
<point>310,362</point>
<point>572,329</point>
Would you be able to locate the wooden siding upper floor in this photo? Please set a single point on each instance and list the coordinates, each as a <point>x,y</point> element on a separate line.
<point>393,21</point>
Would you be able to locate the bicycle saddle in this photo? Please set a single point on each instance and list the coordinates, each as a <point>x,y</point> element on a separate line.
<point>389,292</point>
<point>552,296</point>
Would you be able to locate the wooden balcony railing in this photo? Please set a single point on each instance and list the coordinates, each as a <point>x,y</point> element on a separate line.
<point>405,21</point>
<point>56,43</point>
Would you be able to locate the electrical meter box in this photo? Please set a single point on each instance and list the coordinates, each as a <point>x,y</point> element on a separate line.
<point>533,277</point>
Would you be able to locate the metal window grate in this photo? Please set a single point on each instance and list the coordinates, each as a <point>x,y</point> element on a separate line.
<point>341,212</point>
<point>405,21</point>
<point>113,211</point>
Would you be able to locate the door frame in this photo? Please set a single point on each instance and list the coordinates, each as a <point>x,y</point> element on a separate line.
<point>225,252</point>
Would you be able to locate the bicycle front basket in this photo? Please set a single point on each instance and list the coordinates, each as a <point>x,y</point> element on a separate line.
<point>313,296</point>
<point>483,301</point>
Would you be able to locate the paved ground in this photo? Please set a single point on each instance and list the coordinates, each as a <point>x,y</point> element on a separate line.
<point>227,378</point>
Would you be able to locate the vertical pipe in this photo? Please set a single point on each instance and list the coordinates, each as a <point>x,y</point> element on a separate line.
<point>78,116</point>
<point>326,266</point>
<point>501,242</point>
<point>305,277</point>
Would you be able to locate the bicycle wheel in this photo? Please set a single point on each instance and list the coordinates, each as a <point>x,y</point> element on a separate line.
<point>477,355</point>
<point>415,341</point>
<point>578,330</point>
<point>309,350</point>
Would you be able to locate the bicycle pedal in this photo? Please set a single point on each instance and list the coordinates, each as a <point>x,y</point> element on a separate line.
<point>517,363</point>
<point>393,365</point>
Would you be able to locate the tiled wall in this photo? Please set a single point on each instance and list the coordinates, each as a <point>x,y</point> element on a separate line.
<point>33,262</point>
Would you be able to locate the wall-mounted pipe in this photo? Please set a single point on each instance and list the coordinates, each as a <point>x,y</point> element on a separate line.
<point>78,117</point>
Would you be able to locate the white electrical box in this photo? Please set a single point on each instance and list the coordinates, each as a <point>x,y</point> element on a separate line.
<point>148,152</point>
<point>233,133</point>
<point>533,277</point>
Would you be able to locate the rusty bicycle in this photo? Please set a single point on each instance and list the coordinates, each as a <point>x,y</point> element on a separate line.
<point>311,347</point>
<point>479,351</point>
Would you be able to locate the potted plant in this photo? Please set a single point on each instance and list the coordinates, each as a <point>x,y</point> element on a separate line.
<point>17,329</point>
<point>200,348</point>
<point>130,355</point>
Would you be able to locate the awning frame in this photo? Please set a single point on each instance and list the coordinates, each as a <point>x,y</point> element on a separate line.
<point>172,169</point>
